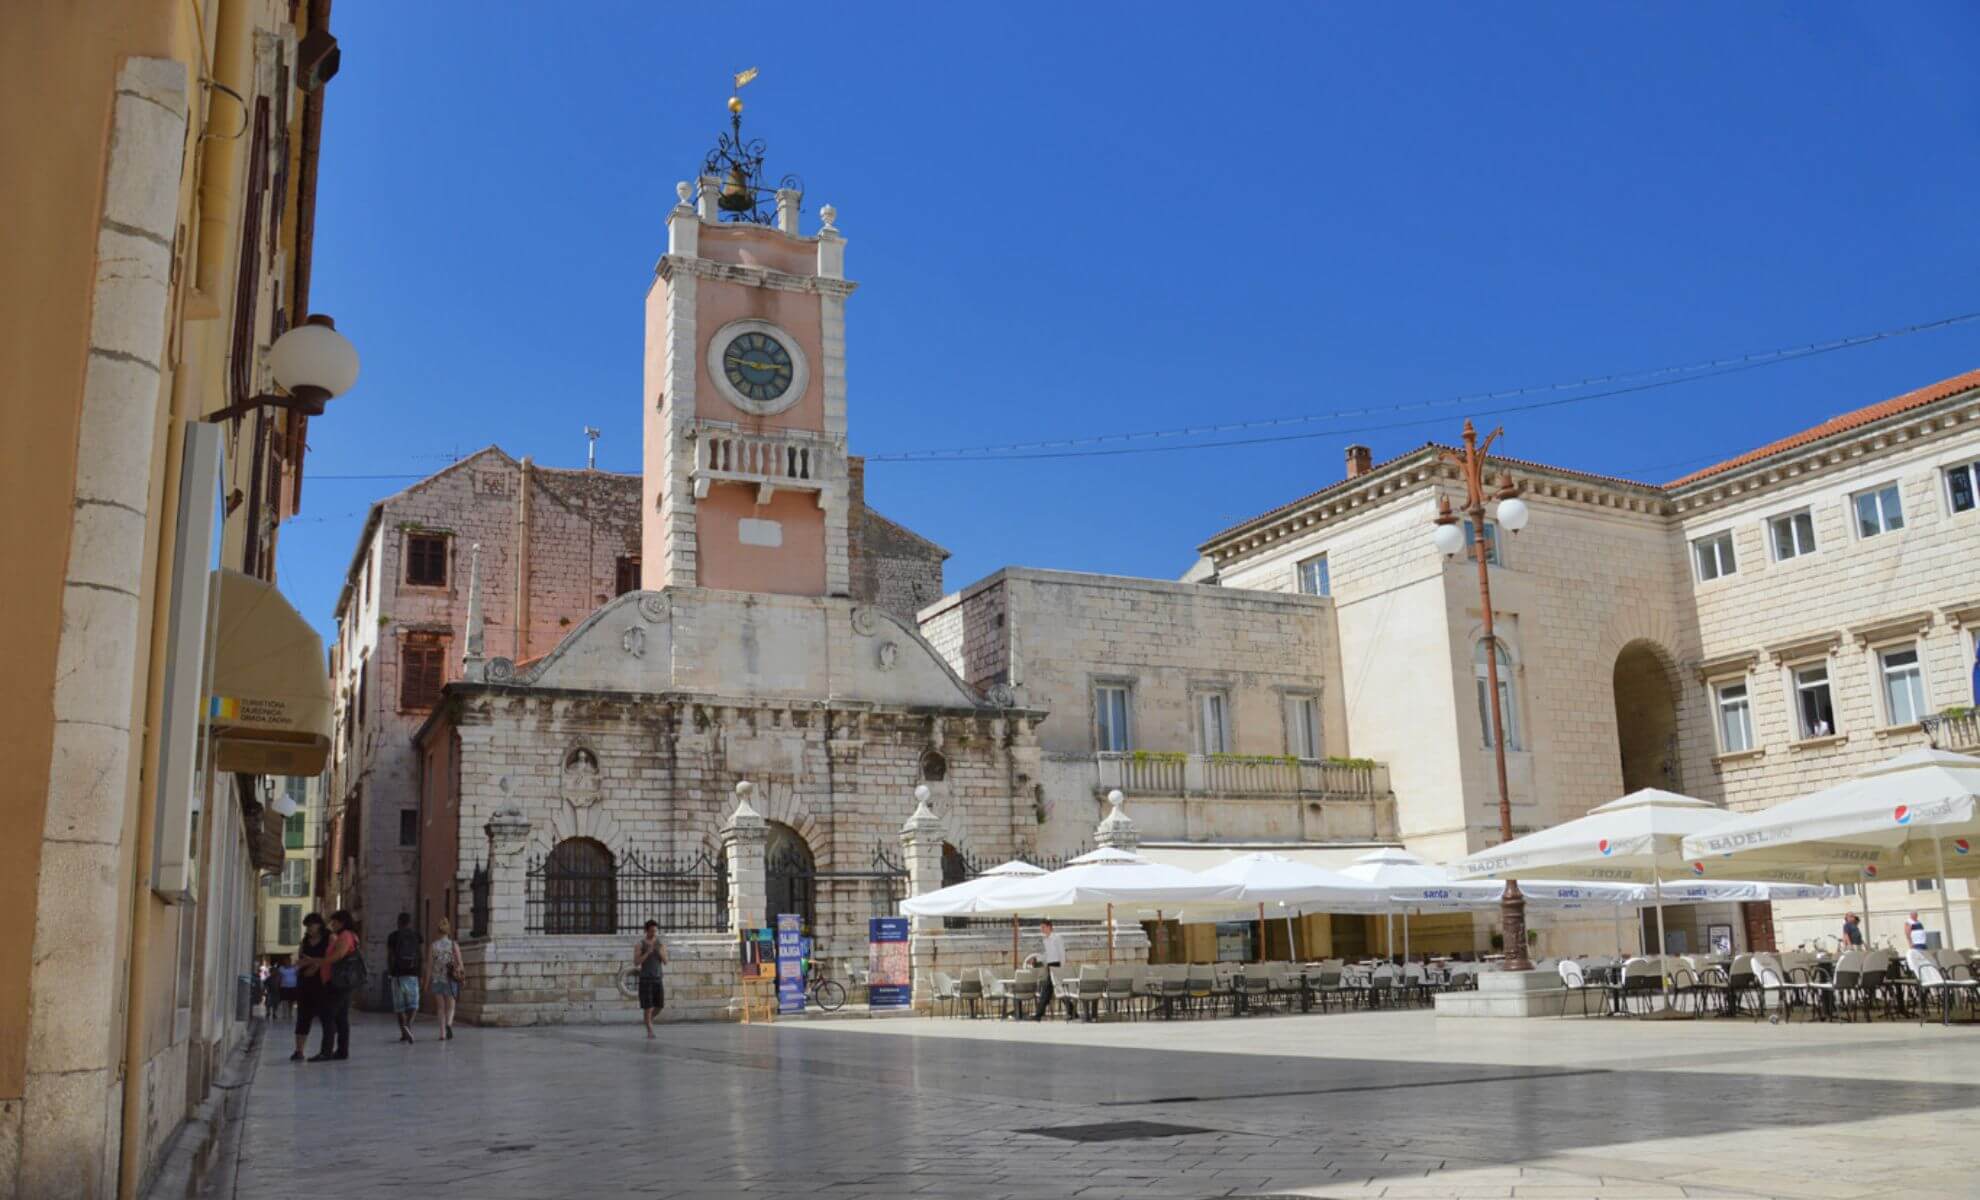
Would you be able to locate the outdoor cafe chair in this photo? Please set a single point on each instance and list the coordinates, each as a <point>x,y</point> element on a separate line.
<point>1576,983</point>
<point>995,988</point>
<point>1120,988</point>
<point>1640,979</point>
<point>1381,986</point>
<point>1257,985</point>
<point>1288,982</point>
<point>948,990</point>
<point>969,993</point>
<point>1022,995</point>
<point>1090,990</point>
<point>1932,981</point>
<point>1324,981</point>
<point>1834,994</point>
<point>1172,980</point>
<point>1768,981</point>
<point>1202,987</point>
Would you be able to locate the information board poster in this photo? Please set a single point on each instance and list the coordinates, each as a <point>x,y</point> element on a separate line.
<point>888,979</point>
<point>758,953</point>
<point>790,963</point>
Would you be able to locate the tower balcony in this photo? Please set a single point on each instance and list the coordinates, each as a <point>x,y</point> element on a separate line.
<point>792,460</point>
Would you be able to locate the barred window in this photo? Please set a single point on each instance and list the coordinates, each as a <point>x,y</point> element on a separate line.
<point>580,888</point>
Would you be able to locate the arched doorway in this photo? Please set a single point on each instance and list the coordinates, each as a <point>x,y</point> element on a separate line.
<point>790,876</point>
<point>580,888</point>
<point>1646,718</point>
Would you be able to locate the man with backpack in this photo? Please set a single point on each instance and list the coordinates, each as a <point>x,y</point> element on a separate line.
<point>402,962</point>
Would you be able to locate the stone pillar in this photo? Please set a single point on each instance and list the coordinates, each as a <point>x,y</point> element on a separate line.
<point>1117,829</point>
<point>921,849</point>
<point>508,836</point>
<point>787,209</point>
<point>743,842</point>
<point>711,189</point>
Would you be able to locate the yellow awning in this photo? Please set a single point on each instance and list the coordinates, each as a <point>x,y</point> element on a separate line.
<point>270,708</point>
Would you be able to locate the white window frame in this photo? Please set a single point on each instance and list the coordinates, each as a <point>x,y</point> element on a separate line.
<point>294,880</point>
<point>1885,675</point>
<point>1970,471</point>
<point>1305,736</point>
<point>1789,521</point>
<point>1798,686</point>
<point>1495,552</point>
<point>1724,556</point>
<point>1508,693</point>
<point>1326,583</point>
<point>1112,736</point>
<point>1724,705</point>
<point>1213,721</point>
<point>1887,521</point>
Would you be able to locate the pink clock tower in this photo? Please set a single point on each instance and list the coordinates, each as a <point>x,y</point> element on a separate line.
<point>745,393</point>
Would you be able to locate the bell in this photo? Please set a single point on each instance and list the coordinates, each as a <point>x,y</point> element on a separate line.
<point>736,194</point>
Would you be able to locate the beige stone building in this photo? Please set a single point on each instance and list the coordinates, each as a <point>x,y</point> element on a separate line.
<point>1744,634</point>
<point>158,246</point>
<point>290,894</point>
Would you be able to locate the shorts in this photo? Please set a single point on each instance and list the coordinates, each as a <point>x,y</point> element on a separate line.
<point>443,987</point>
<point>405,993</point>
<point>652,994</point>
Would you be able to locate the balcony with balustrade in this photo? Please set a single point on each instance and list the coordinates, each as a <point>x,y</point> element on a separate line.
<point>1955,729</point>
<point>769,460</point>
<point>1225,797</point>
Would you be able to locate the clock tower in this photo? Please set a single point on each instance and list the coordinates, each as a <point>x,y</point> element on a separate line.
<point>745,478</point>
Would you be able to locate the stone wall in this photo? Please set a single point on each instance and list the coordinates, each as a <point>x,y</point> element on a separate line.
<point>584,980</point>
<point>892,566</point>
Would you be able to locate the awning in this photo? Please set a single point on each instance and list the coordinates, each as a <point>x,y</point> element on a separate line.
<point>270,707</point>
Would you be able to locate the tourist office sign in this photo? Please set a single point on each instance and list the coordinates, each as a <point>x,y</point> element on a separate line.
<point>888,979</point>
<point>790,963</point>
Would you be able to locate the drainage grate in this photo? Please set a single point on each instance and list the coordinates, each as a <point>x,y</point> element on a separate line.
<point>1114,1131</point>
<point>512,1148</point>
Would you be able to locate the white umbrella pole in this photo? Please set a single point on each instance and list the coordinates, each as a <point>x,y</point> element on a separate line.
<point>1015,963</point>
<point>1110,935</point>
<point>1405,937</point>
<point>1663,942</point>
<point>1945,903</point>
<point>1389,936</point>
<point>1261,931</point>
<point>1619,944</point>
<point>1292,941</point>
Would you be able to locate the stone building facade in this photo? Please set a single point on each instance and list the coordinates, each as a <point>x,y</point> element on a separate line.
<point>1639,620</point>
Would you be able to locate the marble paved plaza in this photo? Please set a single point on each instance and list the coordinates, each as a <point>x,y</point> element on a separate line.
<point>1382,1104</point>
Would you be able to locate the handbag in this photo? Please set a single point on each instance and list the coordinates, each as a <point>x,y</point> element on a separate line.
<point>349,973</point>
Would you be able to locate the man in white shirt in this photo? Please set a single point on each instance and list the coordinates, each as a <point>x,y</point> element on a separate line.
<point>1053,955</point>
<point>1915,929</point>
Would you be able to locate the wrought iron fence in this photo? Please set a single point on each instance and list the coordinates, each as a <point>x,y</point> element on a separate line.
<point>686,894</point>
<point>796,885</point>
<point>478,888</point>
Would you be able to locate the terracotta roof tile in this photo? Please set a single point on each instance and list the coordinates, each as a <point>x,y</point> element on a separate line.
<point>1930,394</point>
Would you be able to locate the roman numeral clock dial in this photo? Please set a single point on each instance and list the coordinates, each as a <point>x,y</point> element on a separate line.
<point>758,366</point>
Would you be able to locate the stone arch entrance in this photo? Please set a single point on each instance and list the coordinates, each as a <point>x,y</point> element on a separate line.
<point>790,875</point>
<point>1646,697</point>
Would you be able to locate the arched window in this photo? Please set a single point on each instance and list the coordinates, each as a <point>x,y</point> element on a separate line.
<point>934,768</point>
<point>1507,708</point>
<point>580,888</point>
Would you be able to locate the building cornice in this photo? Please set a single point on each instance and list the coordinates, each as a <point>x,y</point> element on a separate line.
<point>1806,646</point>
<point>671,265</point>
<point>1796,467</point>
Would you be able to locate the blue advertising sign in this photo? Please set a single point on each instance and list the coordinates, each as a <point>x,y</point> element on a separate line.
<point>790,964</point>
<point>889,979</point>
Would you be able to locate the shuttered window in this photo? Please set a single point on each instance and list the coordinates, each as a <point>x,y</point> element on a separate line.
<point>422,671</point>
<point>426,560</point>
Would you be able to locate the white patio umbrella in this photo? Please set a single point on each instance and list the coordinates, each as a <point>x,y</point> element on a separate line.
<point>1637,839</point>
<point>1897,820</point>
<point>962,899</point>
<point>1413,885</point>
<point>1093,884</point>
<point>1293,887</point>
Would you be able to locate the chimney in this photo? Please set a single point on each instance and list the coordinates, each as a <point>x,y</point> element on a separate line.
<point>1360,460</point>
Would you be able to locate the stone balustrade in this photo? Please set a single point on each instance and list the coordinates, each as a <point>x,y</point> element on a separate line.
<point>1158,774</point>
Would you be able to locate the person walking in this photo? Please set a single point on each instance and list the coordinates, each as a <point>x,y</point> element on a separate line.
<point>1914,932</point>
<point>649,956</point>
<point>1053,955</point>
<point>309,989</point>
<point>402,961</point>
<point>1852,933</point>
<point>342,974</point>
<point>444,976</point>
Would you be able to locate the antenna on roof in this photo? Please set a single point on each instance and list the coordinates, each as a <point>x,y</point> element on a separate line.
<point>591,447</point>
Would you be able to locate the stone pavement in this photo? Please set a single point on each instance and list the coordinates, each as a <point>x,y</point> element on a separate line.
<point>1341,1105</point>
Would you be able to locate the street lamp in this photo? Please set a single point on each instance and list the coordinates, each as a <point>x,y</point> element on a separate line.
<point>311,363</point>
<point>1449,539</point>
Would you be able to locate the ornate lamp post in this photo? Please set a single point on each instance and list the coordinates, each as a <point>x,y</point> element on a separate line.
<point>1449,538</point>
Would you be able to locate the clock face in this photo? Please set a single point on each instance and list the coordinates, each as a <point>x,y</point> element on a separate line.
<point>758,366</point>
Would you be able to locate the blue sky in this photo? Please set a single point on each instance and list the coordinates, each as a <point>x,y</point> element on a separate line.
<point>1073,220</point>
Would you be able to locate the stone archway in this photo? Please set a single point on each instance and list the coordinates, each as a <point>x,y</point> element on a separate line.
<point>1646,699</point>
<point>790,875</point>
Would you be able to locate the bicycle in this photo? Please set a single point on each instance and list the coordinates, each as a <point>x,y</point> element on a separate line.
<point>827,993</point>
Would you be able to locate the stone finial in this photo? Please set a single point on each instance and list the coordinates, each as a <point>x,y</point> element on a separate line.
<point>828,214</point>
<point>685,191</point>
<point>472,668</point>
<point>1117,829</point>
<point>745,814</point>
<point>923,822</point>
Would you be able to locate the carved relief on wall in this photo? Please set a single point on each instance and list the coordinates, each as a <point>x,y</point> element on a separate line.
<point>581,784</point>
